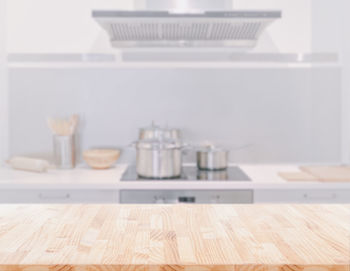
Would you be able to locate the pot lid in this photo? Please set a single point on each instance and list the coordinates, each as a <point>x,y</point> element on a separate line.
<point>159,133</point>
<point>155,144</point>
<point>155,127</point>
<point>211,148</point>
<point>152,127</point>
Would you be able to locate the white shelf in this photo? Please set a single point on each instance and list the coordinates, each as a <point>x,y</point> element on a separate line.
<point>141,65</point>
<point>173,60</point>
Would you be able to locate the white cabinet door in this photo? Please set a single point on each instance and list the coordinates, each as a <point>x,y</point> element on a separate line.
<point>301,196</point>
<point>58,196</point>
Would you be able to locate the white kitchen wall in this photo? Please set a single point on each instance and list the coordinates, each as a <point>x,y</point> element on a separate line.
<point>345,55</point>
<point>327,22</point>
<point>3,86</point>
<point>291,34</point>
<point>286,115</point>
<point>61,26</point>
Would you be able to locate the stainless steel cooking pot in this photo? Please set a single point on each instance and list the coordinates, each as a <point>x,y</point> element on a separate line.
<point>158,159</point>
<point>157,132</point>
<point>212,158</point>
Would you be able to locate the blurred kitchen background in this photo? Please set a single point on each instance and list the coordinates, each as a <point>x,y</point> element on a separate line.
<point>277,102</point>
<point>287,99</point>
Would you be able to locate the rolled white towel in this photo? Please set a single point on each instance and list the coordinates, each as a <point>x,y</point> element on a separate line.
<point>29,164</point>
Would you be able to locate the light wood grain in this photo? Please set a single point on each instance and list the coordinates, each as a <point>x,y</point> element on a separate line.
<point>328,173</point>
<point>174,237</point>
<point>297,177</point>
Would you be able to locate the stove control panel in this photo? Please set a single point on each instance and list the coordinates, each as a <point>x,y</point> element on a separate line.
<point>185,196</point>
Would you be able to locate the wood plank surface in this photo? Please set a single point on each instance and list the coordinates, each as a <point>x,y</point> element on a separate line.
<point>175,237</point>
<point>318,174</point>
<point>328,173</point>
<point>297,177</point>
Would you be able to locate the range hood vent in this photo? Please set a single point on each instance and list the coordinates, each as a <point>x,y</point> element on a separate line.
<point>184,29</point>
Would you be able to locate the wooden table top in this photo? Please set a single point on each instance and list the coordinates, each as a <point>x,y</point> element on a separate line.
<point>175,237</point>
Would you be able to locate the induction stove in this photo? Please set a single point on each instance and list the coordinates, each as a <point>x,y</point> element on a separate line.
<point>192,173</point>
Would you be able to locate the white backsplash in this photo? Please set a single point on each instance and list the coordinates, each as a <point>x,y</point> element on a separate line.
<point>286,115</point>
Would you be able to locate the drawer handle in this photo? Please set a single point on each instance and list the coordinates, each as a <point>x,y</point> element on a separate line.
<point>42,196</point>
<point>186,199</point>
<point>332,196</point>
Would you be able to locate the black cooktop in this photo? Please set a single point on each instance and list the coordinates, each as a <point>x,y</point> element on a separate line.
<point>192,173</point>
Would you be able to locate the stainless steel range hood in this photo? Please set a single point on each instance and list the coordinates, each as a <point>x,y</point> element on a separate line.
<point>183,24</point>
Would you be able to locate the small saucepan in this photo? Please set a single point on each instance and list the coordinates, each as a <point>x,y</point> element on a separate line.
<point>212,158</point>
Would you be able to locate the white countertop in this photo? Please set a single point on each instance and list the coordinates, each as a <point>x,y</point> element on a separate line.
<point>262,176</point>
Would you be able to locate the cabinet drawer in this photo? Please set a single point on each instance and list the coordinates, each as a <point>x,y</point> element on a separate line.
<point>185,196</point>
<point>58,196</point>
<point>302,196</point>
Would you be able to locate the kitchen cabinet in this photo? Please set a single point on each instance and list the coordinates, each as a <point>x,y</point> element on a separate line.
<point>58,196</point>
<point>132,196</point>
<point>301,196</point>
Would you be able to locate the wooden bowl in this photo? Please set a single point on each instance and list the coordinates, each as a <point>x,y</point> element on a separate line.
<point>101,158</point>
